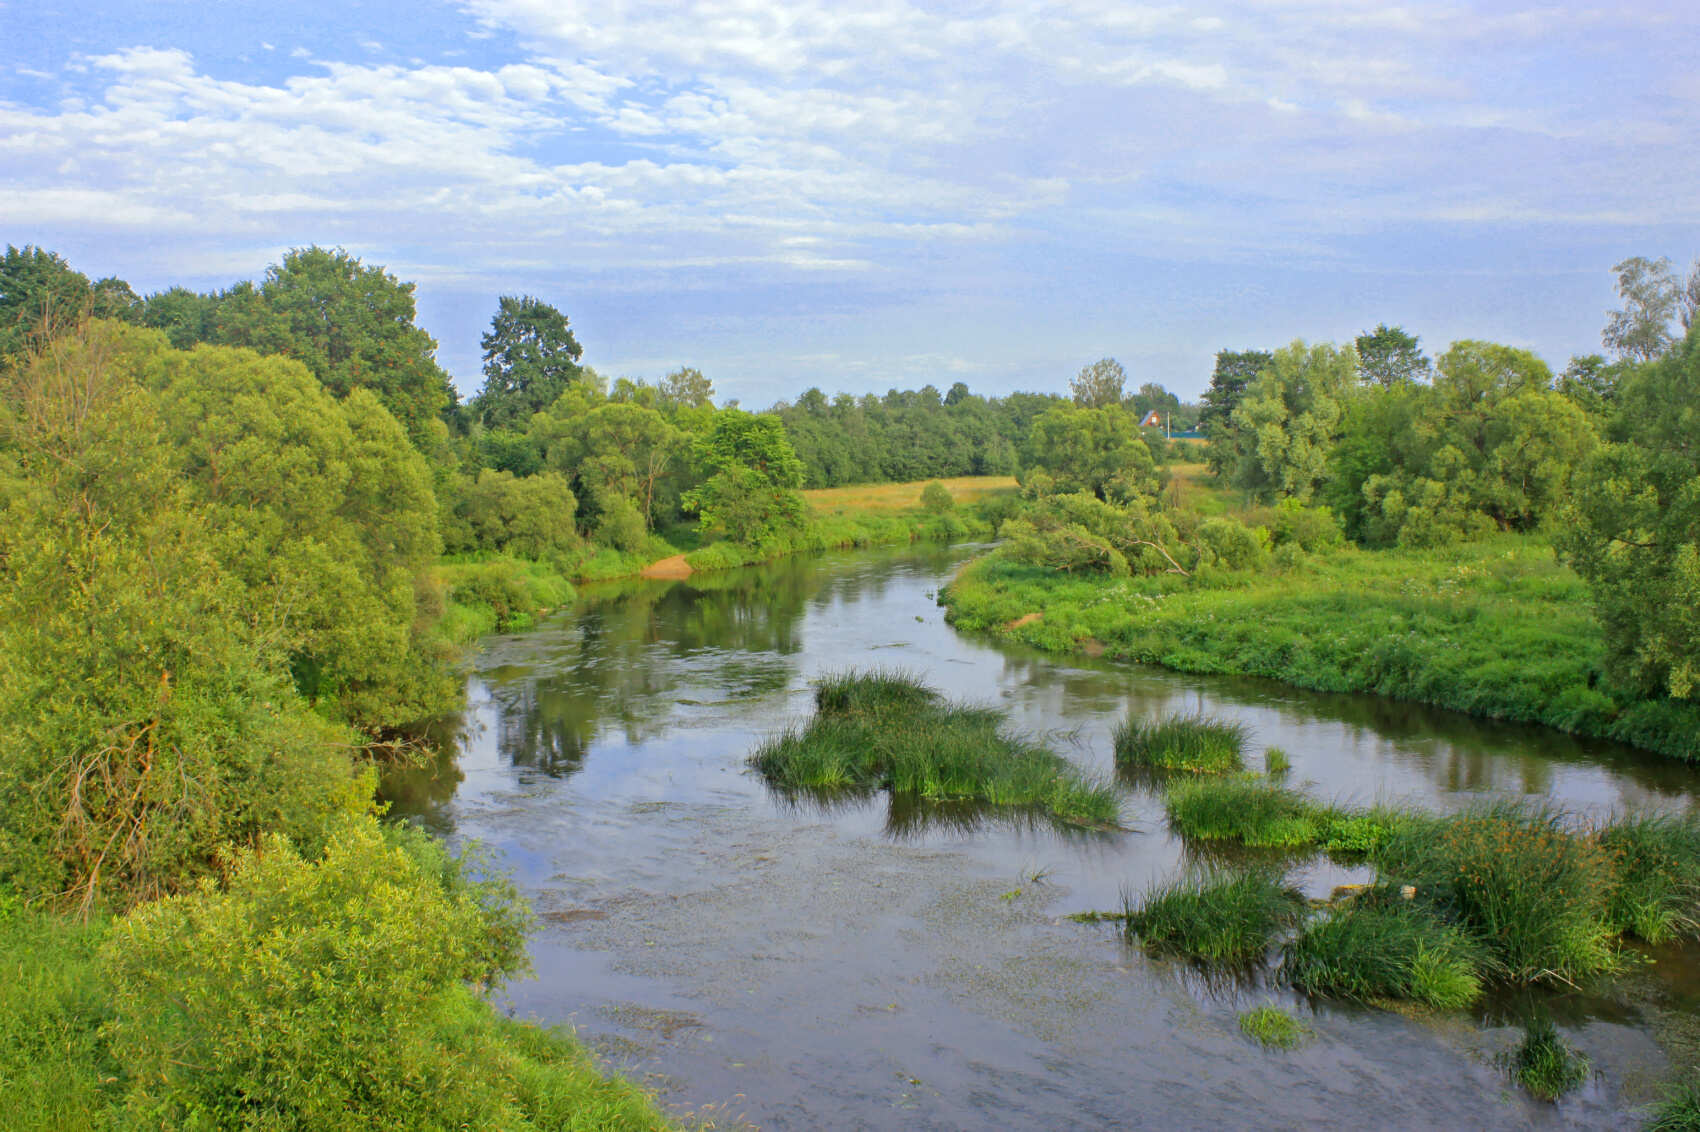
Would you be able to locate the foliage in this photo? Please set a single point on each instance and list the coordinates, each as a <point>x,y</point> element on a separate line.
<point>1197,743</point>
<point>530,357</point>
<point>531,516</point>
<point>1099,385</point>
<point>1273,1028</point>
<point>146,717</point>
<point>1215,918</point>
<point>751,493</point>
<point>41,296</point>
<point>1535,895</point>
<point>1311,528</point>
<point>885,730</point>
<point>1655,861</point>
<point>1097,451</point>
<point>1234,370</point>
<point>1250,811</point>
<point>1081,532</point>
<point>936,498</point>
<point>1388,356</point>
<point>1634,532</point>
<point>1379,946</point>
<point>1231,544</point>
<point>350,324</point>
<point>1652,298</point>
<point>1544,1063</point>
<point>1283,427</point>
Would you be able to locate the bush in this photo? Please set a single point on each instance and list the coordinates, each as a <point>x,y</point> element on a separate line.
<point>1545,1064</point>
<point>1247,810</point>
<point>331,993</point>
<point>936,498</point>
<point>1197,743</point>
<point>1309,528</point>
<point>1214,918</point>
<point>1232,544</point>
<point>621,526</point>
<point>1533,894</point>
<point>1381,947</point>
<point>1656,864</point>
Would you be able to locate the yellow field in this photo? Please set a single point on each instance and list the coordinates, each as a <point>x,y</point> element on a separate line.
<point>901,496</point>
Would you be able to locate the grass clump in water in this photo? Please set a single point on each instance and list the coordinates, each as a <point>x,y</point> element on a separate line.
<point>1363,833</point>
<point>1532,893</point>
<point>887,730</point>
<point>1276,762</point>
<point>1382,947</point>
<point>1656,859</point>
<point>1200,744</point>
<point>1545,1064</point>
<point>1247,810</point>
<point>1678,1107</point>
<point>1215,918</point>
<point>1273,1027</point>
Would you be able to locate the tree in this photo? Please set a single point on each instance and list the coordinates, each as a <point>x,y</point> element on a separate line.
<point>1234,370</point>
<point>41,296</point>
<point>1689,302</point>
<point>1634,533</point>
<point>751,491</point>
<point>1651,299</point>
<point>530,358</point>
<point>1284,426</point>
<point>1099,385</point>
<point>1388,356</point>
<point>687,388</point>
<point>350,324</point>
<point>1096,451</point>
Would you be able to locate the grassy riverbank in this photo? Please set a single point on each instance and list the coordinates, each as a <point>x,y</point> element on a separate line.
<point>1496,628</point>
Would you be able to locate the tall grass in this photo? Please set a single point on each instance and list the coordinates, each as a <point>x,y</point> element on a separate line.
<point>1249,811</point>
<point>1534,894</point>
<point>885,729</point>
<point>1382,947</point>
<point>1656,860</point>
<point>1202,744</point>
<point>1678,1107</point>
<point>1544,1063</point>
<point>1227,918</point>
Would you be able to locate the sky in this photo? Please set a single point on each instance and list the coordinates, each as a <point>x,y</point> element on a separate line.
<point>866,195</point>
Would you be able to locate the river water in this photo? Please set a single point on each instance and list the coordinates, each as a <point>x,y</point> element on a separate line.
<point>779,964</point>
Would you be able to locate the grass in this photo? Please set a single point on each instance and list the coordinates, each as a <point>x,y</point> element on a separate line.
<point>1273,1027</point>
<point>1223,918</point>
<point>884,729</point>
<point>1545,1064</point>
<point>1276,762</point>
<point>1379,946</point>
<point>1532,892</point>
<point>1249,811</point>
<point>890,497</point>
<point>1200,744</point>
<point>1678,1107</point>
<point>1656,860</point>
<point>1495,628</point>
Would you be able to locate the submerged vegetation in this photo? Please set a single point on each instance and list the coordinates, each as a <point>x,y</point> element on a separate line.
<point>887,730</point>
<point>1273,1027</point>
<point>1544,1063</point>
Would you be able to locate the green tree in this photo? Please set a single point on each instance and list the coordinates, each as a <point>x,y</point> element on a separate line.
<point>1235,369</point>
<point>753,476</point>
<point>530,358</point>
<point>1634,531</point>
<point>41,296</point>
<point>1097,451</point>
<point>1652,298</point>
<point>1283,429</point>
<point>1099,385</point>
<point>687,388</point>
<point>350,324</point>
<point>1388,356</point>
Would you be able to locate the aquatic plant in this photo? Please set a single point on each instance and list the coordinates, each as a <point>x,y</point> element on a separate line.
<point>1533,893</point>
<point>886,730</point>
<point>1544,1063</point>
<point>1213,917</point>
<point>1361,833</point>
<point>1250,811</point>
<point>1678,1107</point>
<point>1201,744</point>
<point>1273,1027</point>
<point>1276,762</point>
<point>1380,946</point>
<point>1656,862</point>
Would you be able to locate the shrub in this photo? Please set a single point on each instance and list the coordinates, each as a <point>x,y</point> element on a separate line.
<point>1247,810</point>
<point>1273,1027</point>
<point>1233,544</point>
<point>330,993</point>
<point>1197,743</point>
<point>1381,947</point>
<point>1656,862</point>
<point>1545,1064</point>
<point>936,498</point>
<point>1214,918</point>
<point>1309,528</point>
<point>1534,894</point>
<point>621,526</point>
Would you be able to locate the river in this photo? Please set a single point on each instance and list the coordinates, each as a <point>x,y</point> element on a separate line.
<point>870,967</point>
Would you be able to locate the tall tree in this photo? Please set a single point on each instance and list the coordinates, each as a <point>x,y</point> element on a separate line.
<point>687,388</point>
<point>530,358</point>
<point>1651,299</point>
<point>1387,356</point>
<point>1234,370</point>
<point>1285,425</point>
<point>1099,385</point>
<point>40,296</point>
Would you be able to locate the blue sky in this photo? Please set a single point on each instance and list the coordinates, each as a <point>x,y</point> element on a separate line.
<point>862,195</point>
